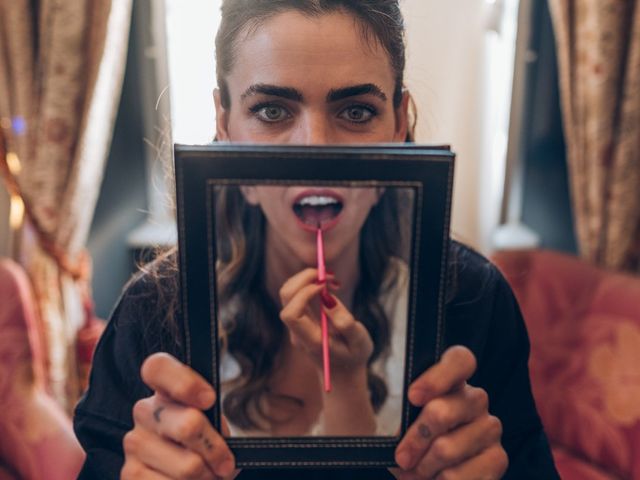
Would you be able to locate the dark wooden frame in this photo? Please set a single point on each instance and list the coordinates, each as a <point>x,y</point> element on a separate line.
<point>428,169</point>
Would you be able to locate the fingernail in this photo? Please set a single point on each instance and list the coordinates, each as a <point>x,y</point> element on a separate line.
<point>403,459</point>
<point>226,468</point>
<point>327,300</point>
<point>206,398</point>
<point>320,282</point>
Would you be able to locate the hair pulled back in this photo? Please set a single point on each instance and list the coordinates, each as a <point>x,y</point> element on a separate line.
<point>381,21</point>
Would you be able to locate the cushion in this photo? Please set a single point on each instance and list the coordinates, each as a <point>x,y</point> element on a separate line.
<point>571,467</point>
<point>584,326</point>
<point>36,436</point>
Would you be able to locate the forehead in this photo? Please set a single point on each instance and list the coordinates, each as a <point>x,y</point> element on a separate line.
<point>314,52</point>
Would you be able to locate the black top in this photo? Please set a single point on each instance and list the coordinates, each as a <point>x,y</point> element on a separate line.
<point>482,315</point>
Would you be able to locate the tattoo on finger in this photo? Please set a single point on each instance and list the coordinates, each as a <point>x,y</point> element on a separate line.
<point>157,412</point>
<point>424,431</point>
<point>207,443</point>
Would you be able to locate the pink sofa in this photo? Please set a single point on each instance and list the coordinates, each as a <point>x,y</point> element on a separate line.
<point>584,325</point>
<point>36,437</point>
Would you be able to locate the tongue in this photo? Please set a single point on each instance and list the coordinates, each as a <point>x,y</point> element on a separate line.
<point>316,215</point>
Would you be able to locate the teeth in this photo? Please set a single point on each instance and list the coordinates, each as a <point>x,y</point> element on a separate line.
<point>317,201</point>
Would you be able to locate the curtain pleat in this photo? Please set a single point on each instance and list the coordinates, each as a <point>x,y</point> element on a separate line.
<point>61,70</point>
<point>598,45</point>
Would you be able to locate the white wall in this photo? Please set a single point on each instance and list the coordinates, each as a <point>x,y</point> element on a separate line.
<point>449,71</point>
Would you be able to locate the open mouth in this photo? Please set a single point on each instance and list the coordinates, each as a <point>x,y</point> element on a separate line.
<point>316,210</point>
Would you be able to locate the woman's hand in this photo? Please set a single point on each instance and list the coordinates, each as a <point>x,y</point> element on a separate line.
<point>350,343</point>
<point>347,408</point>
<point>171,438</point>
<point>454,436</point>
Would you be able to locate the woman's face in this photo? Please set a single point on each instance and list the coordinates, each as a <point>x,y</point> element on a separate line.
<point>311,81</point>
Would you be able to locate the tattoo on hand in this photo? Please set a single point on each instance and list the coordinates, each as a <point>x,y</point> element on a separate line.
<point>424,431</point>
<point>206,441</point>
<point>157,412</point>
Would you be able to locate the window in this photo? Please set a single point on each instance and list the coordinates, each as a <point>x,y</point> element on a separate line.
<point>191,28</point>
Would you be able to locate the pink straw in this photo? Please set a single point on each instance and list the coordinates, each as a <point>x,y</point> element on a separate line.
<point>322,276</point>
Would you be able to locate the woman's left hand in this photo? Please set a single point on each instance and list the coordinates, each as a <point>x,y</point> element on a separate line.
<point>454,435</point>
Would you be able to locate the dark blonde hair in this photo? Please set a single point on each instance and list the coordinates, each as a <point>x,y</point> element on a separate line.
<point>254,333</point>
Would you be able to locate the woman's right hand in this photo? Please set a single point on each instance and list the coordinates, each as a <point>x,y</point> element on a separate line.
<point>350,346</point>
<point>171,437</point>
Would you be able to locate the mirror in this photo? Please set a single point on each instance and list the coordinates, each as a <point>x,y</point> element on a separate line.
<point>272,242</point>
<point>312,287</point>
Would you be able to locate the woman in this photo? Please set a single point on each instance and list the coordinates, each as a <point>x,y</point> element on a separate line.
<point>272,366</point>
<point>315,72</point>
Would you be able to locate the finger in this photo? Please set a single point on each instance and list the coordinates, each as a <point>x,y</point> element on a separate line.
<point>306,277</point>
<point>165,457</point>
<point>295,283</point>
<point>455,367</point>
<point>438,417</point>
<point>171,378</point>
<point>491,464</point>
<point>190,428</point>
<point>226,433</point>
<point>460,445</point>
<point>299,303</point>
<point>354,332</point>
<point>402,475</point>
<point>134,469</point>
<point>295,317</point>
<point>333,284</point>
<point>298,281</point>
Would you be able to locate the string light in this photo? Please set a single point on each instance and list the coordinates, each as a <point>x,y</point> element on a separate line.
<point>16,212</point>
<point>13,162</point>
<point>16,205</point>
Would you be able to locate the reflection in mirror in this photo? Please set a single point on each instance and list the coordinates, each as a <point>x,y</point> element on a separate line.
<point>272,243</point>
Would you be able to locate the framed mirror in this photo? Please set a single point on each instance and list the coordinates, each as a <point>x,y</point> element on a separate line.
<point>312,290</point>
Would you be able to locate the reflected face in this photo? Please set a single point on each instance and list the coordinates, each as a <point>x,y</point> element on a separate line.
<point>295,213</point>
<point>310,81</point>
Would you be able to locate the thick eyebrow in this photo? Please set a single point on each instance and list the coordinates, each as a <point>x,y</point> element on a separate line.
<point>274,91</point>
<point>355,90</point>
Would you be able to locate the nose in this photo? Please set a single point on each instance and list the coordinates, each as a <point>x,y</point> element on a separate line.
<point>313,129</point>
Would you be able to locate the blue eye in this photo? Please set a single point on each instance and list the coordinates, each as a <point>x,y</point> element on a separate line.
<point>358,113</point>
<point>270,113</point>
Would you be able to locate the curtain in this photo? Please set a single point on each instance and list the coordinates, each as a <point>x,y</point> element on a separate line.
<point>61,70</point>
<point>598,44</point>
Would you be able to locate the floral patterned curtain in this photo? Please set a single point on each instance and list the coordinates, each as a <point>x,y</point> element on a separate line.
<point>598,43</point>
<point>61,70</point>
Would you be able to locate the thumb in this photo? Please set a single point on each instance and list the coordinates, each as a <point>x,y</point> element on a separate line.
<point>226,432</point>
<point>176,381</point>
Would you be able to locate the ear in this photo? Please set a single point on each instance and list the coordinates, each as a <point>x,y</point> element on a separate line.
<point>222,118</point>
<point>402,118</point>
<point>250,194</point>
